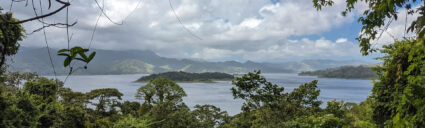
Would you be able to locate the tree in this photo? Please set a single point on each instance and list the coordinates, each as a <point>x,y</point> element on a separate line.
<point>267,105</point>
<point>210,116</point>
<point>304,99</point>
<point>257,91</point>
<point>10,34</point>
<point>107,100</point>
<point>163,103</point>
<point>159,91</point>
<point>374,18</point>
<point>33,106</point>
<point>399,93</point>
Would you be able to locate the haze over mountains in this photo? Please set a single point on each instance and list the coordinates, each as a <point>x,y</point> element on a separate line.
<point>135,61</point>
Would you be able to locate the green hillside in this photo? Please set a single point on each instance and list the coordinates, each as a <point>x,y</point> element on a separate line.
<point>345,72</point>
<point>147,62</point>
<point>188,77</point>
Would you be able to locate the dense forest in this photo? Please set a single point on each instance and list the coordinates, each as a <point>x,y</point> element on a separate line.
<point>42,102</point>
<point>188,77</point>
<point>397,98</point>
<point>345,72</point>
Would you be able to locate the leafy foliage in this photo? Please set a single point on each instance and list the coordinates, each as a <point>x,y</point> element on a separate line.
<point>257,91</point>
<point>161,90</point>
<point>210,116</point>
<point>10,34</point>
<point>71,54</point>
<point>45,103</point>
<point>132,122</point>
<point>163,103</point>
<point>399,93</point>
<point>267,105</point>
<point>107,100</point>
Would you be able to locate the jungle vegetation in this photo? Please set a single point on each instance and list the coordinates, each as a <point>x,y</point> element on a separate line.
<point>397,98</point>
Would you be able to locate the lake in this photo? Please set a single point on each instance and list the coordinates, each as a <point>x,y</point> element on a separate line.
<point>219,94</point>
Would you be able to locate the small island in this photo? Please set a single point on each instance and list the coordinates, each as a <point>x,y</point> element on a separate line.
<point>206,77</point>
<point>344,72</point>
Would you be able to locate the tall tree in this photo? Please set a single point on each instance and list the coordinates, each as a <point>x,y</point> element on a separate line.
<point>161,90</point>
<point>163,103</point>
<point>10,34</point>
<point>267,105</point>
<point>257,91</point>
<point>107,100</point>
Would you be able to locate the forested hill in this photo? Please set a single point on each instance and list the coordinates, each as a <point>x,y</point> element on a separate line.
<point>346,72</point>
<point>188,77</point>
<point>148,62</point>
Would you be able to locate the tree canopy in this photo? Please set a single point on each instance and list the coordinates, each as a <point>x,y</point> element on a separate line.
<point>10,35</point>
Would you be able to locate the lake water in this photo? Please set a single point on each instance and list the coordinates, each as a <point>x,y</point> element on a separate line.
<point>219,94</point>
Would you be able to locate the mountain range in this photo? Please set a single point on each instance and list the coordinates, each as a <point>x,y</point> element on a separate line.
<point>147,62</point>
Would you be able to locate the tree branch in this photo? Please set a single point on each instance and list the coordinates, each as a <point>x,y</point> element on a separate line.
<point>65,4</point>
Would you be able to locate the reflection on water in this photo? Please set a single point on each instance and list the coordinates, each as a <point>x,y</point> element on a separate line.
<point>219,93</point>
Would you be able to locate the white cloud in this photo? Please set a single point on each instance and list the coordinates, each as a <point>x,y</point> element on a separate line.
<point>341,40</point>
<point>255,30</point>
<point>250,23</point>
<point>286,49</point>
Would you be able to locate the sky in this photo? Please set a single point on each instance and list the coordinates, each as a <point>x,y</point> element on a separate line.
<point>212,30</point>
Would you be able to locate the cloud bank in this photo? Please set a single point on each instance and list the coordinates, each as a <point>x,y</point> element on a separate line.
<point>228,29</point>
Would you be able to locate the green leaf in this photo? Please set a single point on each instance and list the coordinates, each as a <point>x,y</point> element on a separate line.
<point>77,48</point>
<point>63,50</point>
<point>63,54</point>
<point>91,56</point>
<point>67,61</point>
<point>83,55</point>
<point>73,53</point>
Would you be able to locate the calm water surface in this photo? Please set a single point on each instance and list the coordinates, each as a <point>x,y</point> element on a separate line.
<point>219,93</point>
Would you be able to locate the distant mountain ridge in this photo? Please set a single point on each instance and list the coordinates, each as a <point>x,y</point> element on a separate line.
<point>148,62</point>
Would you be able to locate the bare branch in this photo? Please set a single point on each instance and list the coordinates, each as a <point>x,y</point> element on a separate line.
<point>46,25</point>
<point>65,4</point>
